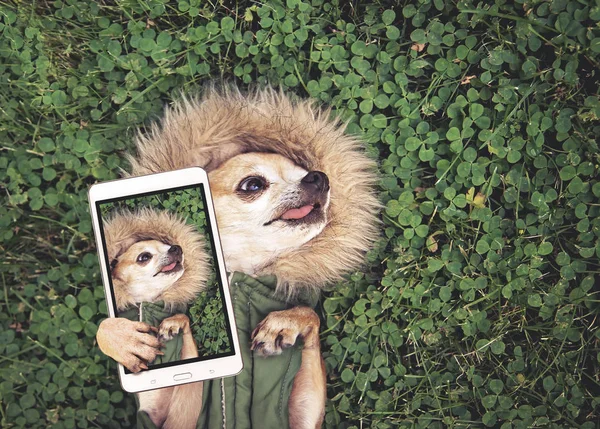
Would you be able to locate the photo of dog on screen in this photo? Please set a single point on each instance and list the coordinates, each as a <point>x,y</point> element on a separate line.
<point>162,272</point>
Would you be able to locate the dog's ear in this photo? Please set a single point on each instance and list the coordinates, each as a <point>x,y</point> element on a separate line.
<point>113,272</point>
<point>163,239</point>
<point>136,238</point>
<point>118,248</point>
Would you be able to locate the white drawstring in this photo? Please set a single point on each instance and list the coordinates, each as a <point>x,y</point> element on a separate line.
<point>223,404</point>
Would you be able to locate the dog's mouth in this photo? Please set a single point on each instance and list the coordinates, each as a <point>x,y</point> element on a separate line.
<point>170,268</point>
<point>300,214</point>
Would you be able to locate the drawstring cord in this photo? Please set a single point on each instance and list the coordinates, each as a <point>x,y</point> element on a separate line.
<point>223,405</point>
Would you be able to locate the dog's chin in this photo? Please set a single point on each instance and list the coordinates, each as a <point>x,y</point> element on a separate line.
<point>150,289</point>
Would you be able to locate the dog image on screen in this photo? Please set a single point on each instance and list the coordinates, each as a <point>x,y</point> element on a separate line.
<point>147,269</point>
<point>158,266</point>
<point>296,209</point>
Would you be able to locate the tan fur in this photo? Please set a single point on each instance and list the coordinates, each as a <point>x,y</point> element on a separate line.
<point>175,407</point>
<point>309,392</point>
<point>247,243</point>
<point>128,342</point>
<point>143,283</point>
<point>185,404</point>
<point>129,263</point>
<point>280,329</point>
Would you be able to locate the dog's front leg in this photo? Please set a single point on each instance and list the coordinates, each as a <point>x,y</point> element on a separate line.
<point>156,404</point>
<point>179,323</point>
<point>129,343</point>
<point>186,402</point>
<point>133,345</point>
<point>279,330</point>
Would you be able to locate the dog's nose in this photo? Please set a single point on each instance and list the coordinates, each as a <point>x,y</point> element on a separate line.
<point>175,250</point>
<point>317,181</point>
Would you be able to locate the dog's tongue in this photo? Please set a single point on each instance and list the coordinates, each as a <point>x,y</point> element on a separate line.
<point>297,213</point>
<point>168,267</point>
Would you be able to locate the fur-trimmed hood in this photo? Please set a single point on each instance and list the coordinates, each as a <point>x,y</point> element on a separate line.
<point>209,130</point>
<point>123,228</point>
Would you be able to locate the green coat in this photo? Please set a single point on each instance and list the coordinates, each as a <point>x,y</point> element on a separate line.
<point>258,396</point>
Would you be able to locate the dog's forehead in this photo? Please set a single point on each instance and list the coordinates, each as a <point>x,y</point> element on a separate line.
<point>153,246</point>
<point>270,165</point>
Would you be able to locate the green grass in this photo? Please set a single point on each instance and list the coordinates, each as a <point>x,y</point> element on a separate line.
<point>479,305</point>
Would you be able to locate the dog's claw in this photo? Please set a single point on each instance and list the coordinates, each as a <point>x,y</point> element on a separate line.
<point>279,340</point>
<point>257,345</point>
<point>258,328</point>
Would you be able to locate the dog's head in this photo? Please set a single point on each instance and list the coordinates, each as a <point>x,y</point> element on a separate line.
<point>211,130</point>
<point>266,205</point>
<point>154,255</point>
<point>147,269</point>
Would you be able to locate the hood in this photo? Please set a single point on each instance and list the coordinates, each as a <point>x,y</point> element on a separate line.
<point>208,130</point>
<point>124,228</point>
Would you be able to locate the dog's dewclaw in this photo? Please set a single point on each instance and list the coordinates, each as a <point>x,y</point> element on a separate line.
<point>144,327</point>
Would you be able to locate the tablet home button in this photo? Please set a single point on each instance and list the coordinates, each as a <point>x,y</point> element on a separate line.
<point>184,376</point>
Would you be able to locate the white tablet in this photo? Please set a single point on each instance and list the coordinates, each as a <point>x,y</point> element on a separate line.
<point>162,264</point>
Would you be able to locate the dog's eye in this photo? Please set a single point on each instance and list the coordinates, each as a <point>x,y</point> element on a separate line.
<point>143,257</point>
<point>252,184</point>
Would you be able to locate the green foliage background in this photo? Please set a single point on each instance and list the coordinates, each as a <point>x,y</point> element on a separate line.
<point>479,305</point>
<point>206,312</point>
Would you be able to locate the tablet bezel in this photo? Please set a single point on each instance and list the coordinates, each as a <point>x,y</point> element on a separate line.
<point>156,183</point>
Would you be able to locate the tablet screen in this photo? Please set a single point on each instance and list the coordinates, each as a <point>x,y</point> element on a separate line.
<point>161,259</point>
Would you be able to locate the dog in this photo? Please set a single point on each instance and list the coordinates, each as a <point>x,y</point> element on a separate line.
<point>147,269</point>
<point>267,196</point>
<point>296,210</point>
<point>148,266</point>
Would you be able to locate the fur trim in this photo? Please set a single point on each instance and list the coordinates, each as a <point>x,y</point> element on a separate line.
<point>207,131</point>
<point>124,228</point>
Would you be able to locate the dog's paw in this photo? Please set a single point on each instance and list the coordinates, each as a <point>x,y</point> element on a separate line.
<point>171,326</point>
<point>281,329</point>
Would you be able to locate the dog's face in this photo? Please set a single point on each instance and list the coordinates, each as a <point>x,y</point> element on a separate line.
<point>265,205</point>
<point>147,268</point>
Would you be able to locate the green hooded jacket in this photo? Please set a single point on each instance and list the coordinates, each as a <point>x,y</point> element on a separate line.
<point>258,396</point>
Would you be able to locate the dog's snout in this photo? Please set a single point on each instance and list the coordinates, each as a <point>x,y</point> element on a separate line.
<point>175,250</point>
<point>317,181</point>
